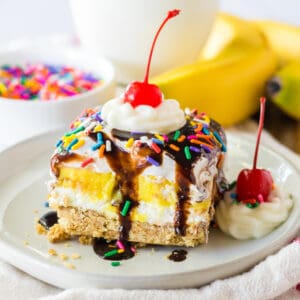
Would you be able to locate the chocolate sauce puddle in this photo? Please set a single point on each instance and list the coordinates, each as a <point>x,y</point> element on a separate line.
<point>48,219</point>
<point>101,246</point>
<point>178,255</point>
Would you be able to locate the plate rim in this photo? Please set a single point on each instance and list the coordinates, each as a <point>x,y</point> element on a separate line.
<point>261,253</point>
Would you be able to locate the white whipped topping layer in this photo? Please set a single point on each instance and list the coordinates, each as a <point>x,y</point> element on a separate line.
<point>243,223</point>
<point>162,119</point>
<point>203,171</point>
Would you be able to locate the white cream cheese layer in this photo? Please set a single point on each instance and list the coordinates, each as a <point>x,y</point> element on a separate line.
<point>242,222</point>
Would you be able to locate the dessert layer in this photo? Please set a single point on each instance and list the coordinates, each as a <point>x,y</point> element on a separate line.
<point>156,196</point>
<point>76,221</point>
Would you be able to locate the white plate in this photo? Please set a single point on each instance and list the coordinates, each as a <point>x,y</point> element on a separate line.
<point>24,170</point>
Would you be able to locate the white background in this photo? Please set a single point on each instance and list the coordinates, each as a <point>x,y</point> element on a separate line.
<point>20,18</point>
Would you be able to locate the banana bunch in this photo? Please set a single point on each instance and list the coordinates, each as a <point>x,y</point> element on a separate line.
<point>230,74</point>
<point>284,87</point>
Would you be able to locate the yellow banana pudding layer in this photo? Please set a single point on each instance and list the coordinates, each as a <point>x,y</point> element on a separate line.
<point>144,187</point>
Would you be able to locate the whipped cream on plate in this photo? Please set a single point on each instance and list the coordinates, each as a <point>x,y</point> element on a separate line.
<point>165,118</point>
<point>241,222</point>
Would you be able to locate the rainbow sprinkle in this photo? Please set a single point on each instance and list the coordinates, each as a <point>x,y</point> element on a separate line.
<point>187,152</point>
<point>195,149</point>
<point>111,253</point>
<point>120,245</point>
<point>159,137</point>
<point>155,148</point>
<point>108,146</point>
<point>44,82</point>
<point>125,208</point>
<point>75,141</point>
<point>174,147</point>
<point>176,135</point>
<point>99,137</point>
<point>101,151</point>
<point>58,143</point>
<point>152,161</point>
<point>181,138</point>
<point>97,146</point>
<point>98,128</point>
<point>129,143</point>
<point>157,141</point>
<point>205,131</point>
<point>260,198</point>
<point>87,162</point>
<point>217,136</point>
<point>78,145</point>
<point>165,137</point>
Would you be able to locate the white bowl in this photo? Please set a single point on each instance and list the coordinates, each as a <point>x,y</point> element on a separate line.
<point>123,31</point>
<point>20,119</point>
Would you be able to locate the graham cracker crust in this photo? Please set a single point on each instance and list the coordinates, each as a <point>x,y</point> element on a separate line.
<point>90,223</point>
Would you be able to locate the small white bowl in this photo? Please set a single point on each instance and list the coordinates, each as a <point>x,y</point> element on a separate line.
<point>124,30</point>
<point>20,119</point>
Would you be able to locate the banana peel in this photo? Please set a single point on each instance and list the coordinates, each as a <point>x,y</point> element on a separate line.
<point>229,77</point>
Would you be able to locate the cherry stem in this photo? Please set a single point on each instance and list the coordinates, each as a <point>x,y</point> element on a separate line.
<point>171,14</point>
<point>260,128</point>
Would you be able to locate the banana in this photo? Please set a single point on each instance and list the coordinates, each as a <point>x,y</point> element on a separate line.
<point>284,89</point>
<point>284,39</point>
<point>231,34</point>
<point>230,75</point>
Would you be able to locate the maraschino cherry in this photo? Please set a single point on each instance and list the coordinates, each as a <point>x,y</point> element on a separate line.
<point>144,93</point>
<point>255,183</point>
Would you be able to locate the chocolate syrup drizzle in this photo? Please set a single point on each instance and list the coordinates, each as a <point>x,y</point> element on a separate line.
<point>63,156</point>
<point>183,174</point>
<point>128,167</point>
<point>127,171</point>
<point>183,180</point>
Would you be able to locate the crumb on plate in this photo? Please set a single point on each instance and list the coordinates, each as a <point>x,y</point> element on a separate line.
<point>85,240</point>
<point>69,265</point>
<point>52,252</point>
<point>40,229</point>
<point>57,234</point>
<point>75,256</point>
<point>63,256</point>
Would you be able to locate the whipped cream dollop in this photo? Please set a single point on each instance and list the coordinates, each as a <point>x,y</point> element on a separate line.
<point>162,119</point>
<point>241,222</point>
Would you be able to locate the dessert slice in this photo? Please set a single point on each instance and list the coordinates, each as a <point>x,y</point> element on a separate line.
<point>141,187</point>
